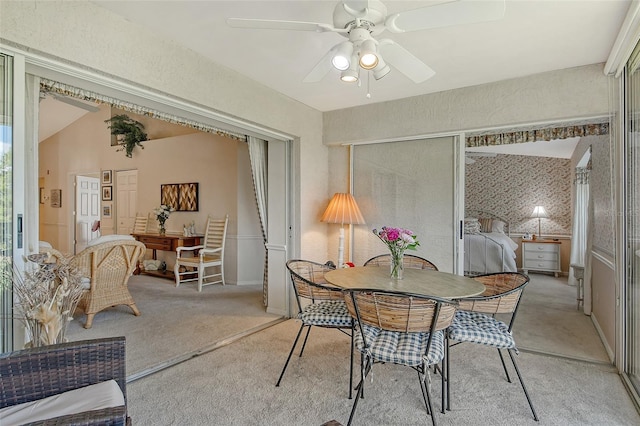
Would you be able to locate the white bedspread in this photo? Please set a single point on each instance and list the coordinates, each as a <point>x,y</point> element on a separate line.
<point>489,252</point>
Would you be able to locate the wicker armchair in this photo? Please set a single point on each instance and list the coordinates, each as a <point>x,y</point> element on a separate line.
<point>409,261</point>
<point>36,373</point>
<point>108,266</point>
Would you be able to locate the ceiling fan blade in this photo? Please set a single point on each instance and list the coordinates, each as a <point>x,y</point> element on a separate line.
<point>444,15</point>
<point>404,61</point>
<point>266,24</point>
<point>322,68</point>
<point>356,8</point>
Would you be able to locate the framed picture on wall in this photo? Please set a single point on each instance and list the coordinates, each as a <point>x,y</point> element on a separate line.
<point>56,198</point>
<point>42,196</point>
<point>106,193</point>
<point>106,177</point>
<point>183,197</point>
<point>106,210</point>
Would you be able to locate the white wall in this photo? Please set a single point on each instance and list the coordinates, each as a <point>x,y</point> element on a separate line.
<point>551,96</point>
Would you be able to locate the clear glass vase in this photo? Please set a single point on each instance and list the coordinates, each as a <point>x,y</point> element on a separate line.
<point>397,266</point>
<point>162,230</point>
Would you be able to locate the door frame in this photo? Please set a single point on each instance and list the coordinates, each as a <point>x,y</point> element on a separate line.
<point>35,64</point>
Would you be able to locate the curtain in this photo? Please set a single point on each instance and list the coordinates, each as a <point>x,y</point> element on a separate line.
<point>258,159</point>
<point>580,222</point>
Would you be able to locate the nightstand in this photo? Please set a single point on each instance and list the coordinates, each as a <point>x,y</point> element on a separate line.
<point>541,255</point>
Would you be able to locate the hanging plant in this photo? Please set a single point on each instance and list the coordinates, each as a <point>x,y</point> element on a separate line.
<point>129,133</point>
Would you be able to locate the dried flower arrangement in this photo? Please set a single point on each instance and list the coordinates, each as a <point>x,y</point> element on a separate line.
<point>47,294</point>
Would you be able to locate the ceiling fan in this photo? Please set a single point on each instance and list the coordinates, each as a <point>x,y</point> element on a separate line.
<point>362,21</point>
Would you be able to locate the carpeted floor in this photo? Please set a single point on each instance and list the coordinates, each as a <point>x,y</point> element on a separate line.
<point>235,383</point>
<point>174,321</point>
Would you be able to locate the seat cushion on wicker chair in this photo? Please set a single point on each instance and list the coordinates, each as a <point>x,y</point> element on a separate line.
<point>93,397</point>
<point>332,313</point>
<point>480,328</point>
<point>400,348</point>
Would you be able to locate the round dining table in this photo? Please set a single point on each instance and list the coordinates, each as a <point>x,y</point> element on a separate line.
<point>424,282</point>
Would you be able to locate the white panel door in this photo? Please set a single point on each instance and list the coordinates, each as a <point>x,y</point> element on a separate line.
<point>87,210</point>
<point>126,200</point>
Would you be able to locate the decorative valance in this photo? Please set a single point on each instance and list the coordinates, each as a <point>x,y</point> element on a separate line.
<point>75,92</point>
<point>541,134</point>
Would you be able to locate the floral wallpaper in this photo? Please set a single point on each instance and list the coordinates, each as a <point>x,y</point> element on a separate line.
<point>510,186</point>
<point>602,195</point>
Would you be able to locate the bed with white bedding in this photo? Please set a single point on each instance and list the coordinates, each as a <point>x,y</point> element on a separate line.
<point>487,245</point>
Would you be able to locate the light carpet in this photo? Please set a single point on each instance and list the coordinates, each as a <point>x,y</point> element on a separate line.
<point>174,321</point>
<point>235,384</point>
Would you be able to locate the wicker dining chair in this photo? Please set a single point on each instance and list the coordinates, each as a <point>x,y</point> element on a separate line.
<point>319,305</point>
<point>408,260</point>
<point>475,321</point>
<point>403,329</point>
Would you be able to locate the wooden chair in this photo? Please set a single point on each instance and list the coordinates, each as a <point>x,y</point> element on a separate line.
<point>475,321</point>
<point>209,254</point>
<point>403,329</point>
<point>140,225</point>
<point>409,261</point>
<point>108,266</point>
<point>319,305</point>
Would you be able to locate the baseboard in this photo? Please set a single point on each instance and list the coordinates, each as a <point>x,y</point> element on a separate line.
<point>610,352</point>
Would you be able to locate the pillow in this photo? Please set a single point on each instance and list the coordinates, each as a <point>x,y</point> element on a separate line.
<point>485,224</point>
<point>498,226</point>
<point>93,397</point>
<point>471,226</point>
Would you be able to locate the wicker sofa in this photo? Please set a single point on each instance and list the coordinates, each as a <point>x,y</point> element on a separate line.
<point>37,373</point>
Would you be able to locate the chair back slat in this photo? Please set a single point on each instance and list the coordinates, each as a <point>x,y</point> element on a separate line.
<point>501,296</point>
<point>409,261</point>
<point>308,281</point>
<point>140,225</point>
<point>402,313</point>
<point>215,233</point>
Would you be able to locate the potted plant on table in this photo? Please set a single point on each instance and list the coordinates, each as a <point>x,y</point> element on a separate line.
<point>129,132</point>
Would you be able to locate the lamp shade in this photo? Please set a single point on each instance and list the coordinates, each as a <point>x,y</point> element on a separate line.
<point>539,211</point>
<point>343,209</point>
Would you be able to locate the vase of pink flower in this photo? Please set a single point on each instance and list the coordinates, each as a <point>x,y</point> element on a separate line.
<point>398,240</point>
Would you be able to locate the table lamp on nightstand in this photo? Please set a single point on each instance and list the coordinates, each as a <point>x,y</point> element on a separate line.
<point>539,212</point>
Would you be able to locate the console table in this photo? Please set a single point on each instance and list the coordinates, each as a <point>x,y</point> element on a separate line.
<point>167,242</point>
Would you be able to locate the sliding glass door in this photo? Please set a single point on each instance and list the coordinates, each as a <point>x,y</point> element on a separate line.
<point>631,289</point>
<point>6,204</point>
<point>408,184</point>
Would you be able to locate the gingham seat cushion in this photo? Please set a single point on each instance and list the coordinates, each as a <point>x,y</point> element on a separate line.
<point>400,348</point>
<point>480,328</point>
<point>332,313</point>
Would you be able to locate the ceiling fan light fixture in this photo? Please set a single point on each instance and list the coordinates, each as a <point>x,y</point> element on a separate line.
<point>342,59</point>
<point>381,69</point>
<point>368,55</point>
<point>349,76</point>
